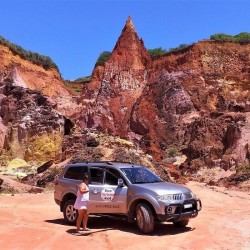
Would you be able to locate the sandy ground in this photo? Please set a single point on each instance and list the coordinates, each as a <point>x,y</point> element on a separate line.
<point>33,221</point>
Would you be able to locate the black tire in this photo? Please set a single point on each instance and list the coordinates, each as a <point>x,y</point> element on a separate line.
<point>69,212</point>
<point>144,218</point>
<point>181,223</point>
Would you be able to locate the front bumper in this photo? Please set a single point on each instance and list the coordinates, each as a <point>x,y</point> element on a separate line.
<point>186,210</point>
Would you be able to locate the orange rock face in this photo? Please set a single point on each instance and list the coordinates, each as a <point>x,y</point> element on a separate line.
<point>118,84</point>
<point>27,74</point>
<point>192,104</point>
<point>195,100</point>
<point>30,126</point>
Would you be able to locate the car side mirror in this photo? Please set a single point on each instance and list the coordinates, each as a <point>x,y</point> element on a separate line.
<point>120,182</point>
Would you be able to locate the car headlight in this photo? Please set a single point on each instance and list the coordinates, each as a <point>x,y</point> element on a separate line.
<point>193,195</point>
<point>189,195</point>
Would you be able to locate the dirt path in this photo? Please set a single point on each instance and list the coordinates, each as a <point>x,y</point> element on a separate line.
<point>33,221</point>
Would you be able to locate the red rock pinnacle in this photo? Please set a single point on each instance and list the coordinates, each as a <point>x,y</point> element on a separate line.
<point>129,51</point>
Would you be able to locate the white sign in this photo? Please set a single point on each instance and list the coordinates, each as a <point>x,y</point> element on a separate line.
<point>107,194</point>
<point>187,205</point>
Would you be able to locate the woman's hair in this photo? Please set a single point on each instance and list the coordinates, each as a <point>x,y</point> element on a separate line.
<point>85,176</point>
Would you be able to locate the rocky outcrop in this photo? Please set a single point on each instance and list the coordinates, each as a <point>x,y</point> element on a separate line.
<point>117,85</point>
<point>201,98</point>
<point>195,100</point>
<point>33,129</point>
<point>47,80</point>
<point>188,110</point>
<point>27,74</point>
<point>3,130</point>
<point>31,97</point>
<point>10,186</point>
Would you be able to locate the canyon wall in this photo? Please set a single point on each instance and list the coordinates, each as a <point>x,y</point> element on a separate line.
<point>195,100</point>
<point>32,104</point>
<point>187,110</point>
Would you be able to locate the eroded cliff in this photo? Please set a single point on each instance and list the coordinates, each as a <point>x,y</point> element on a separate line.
<point>194,102</point>
<point>30,97</point>
<point>189,110</point>
<point>30,75</point>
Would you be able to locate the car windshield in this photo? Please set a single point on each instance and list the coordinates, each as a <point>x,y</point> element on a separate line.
<point>140,175</point>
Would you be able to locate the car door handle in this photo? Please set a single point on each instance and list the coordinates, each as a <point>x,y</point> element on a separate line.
<point>95,191</point>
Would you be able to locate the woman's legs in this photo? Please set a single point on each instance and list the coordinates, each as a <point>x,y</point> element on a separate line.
<point>85,219</point>
<point>79,219</point>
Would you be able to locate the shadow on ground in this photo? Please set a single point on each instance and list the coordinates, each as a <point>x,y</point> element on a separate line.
<point>106,223</point>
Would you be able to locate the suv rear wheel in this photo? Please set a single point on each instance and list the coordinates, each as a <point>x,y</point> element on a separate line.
<point>144,218</point>
<point>69,212</point>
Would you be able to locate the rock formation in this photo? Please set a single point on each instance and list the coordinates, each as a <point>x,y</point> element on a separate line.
<point>31,95</point>
<point>118,85</point>
<point>188,110</point>
<point>30,75</point>
<point>33,130</point>
<point>195,100</point>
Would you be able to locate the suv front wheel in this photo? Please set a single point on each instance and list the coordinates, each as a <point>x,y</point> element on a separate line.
<point>144,218</point>
<point>69,212</point>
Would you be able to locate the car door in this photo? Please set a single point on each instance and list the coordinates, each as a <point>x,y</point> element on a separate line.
<point>105,194</point>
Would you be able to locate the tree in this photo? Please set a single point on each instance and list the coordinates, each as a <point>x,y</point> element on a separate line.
<point>180,47</point>
<point>243,37</point>
<point>103,57</point>
<point>222,37</point>
<point>156,52</point>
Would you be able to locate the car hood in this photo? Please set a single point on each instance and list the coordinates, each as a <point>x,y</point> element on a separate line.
<point>164,188</point>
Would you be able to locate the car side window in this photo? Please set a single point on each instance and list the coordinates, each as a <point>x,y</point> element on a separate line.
<point>96,176</point>
<point>112,177</point>
<point>75,173</point>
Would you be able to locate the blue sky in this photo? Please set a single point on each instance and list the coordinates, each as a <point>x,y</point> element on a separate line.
<point>74,32</point>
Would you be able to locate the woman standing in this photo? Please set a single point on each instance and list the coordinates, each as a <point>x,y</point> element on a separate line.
<point>81,204</point>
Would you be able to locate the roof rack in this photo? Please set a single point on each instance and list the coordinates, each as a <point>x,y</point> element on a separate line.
<point>107,162</point>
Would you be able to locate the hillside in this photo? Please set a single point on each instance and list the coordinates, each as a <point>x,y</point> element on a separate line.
<point>188,111</point>
<point>193,102</point>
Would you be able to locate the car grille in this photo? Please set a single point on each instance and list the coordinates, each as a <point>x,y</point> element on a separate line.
<point>177,197</point>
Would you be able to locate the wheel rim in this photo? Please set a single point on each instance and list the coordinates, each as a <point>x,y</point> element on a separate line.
<point>139,218</point>
<point>70,213</point>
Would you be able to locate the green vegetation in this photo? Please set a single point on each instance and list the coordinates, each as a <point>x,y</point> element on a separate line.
<point>172,152</point>
<point>103,57</point>
<point>244,168</point>
<point>77,85</point>
<point>159,51</point>
<point>36,58</point>
<point>84,79</point>
<point>156,52</point>
<point>243,37</point>
<point>180,47</point>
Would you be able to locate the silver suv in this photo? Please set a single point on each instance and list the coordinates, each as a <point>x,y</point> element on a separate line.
<point>129,190</point>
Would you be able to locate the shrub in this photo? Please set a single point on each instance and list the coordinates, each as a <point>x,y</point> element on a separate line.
<point>172,152</point>
<point>244,168</point>
<point>103,57</point>
<point>180,47</point>
<point>222,37</point>
<point>156,52</point>
<point>84,79</point>
<point>159,51</point>
<point>243,37</point>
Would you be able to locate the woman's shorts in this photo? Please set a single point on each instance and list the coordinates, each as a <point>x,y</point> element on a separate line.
<point>81,205</point>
